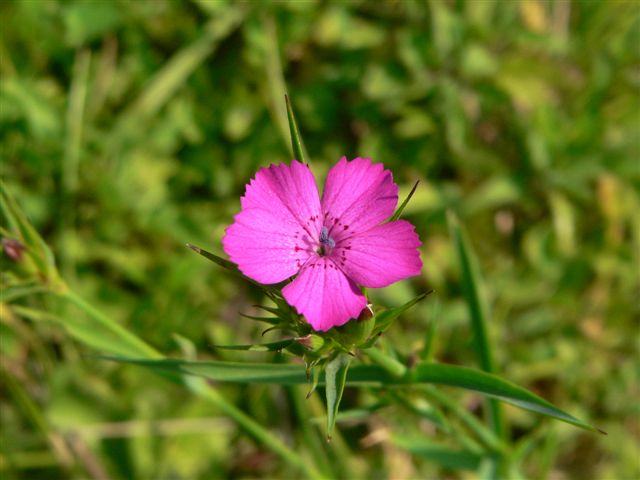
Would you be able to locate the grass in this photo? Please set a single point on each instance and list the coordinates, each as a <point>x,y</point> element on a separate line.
<point>129,129</point>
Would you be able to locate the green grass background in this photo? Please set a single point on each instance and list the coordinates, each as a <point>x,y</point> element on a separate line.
<point>129,128</point>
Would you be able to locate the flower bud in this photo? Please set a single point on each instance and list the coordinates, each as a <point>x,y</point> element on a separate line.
<point>356,332</point>
<point>13,249</point>
<point>311,341</point>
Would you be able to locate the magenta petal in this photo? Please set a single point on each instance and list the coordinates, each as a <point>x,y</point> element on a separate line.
<point>324,295</point>
<point>358,195</point>
<point>274,234</point>
<point>266,246</point>
<point>382,255</point>
<point>288,190</point>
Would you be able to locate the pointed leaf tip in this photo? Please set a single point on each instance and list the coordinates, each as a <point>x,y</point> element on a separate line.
<point>405,202</point>
<point>297,144</point>
<point>335,380</point>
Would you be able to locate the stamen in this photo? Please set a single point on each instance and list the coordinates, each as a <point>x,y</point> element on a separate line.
<point>326,242</point>
<point>325,239</point>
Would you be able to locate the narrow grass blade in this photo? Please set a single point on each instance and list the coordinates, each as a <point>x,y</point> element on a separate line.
<point>175,72</point>
<point>11,293</point>
<point>426,354</point>
<point>369,375</point>
<point>353,415</point>
<point>429,412</point>
<point>76,123</point>
<point>260,373</point>
<point>275,83</point>
<point>296,140</point>
<point>385,318</point>
<point>443,455</point>
<point>390,365</point>
<point>36,416</point>
<point>226,264</point>
<point>471,287</point>
<point>400,209</point>
<point>269,320</point>
<point>82,330</point>
<point>335,380</point>
<point>484,433</point>
<point>471,284</point>
<point>22,230</point>
<point>312,438</point>
<point>492,386</point>
<point>101,328</point>
<point>259,347</point>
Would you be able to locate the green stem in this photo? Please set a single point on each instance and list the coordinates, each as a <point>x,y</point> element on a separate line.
<point>311,436</point>
<point>138,347</point>
<point>391,365</point>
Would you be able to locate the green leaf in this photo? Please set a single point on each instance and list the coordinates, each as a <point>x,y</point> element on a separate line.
<point>471,287</point>
<point>404,203</point>
<point>226,264</point>
<point>259,373</point>
<point>259,347</point>
<point>223,262</point>
<point>269,320</point>
<point>367,375</point>
<point>385,318</point>
<point>335,380</point>
<point>471,284</point>
<point>83,330</point>
<point>492,386</point>
<point>429,336</point>
<point>296,140</point>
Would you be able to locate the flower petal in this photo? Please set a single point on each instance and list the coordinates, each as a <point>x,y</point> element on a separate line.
<point>274,234</point>
<point>357,195</point>
<point>267,246</point>
<point>380,256</point>
<point>324,295</point>
<point>288,190</point>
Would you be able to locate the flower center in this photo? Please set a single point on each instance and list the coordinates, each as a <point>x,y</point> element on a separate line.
<point>326,242</point>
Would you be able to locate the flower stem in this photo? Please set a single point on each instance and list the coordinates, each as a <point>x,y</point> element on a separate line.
<point>391,365</point>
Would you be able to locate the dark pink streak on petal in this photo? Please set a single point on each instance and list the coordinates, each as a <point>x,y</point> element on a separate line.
<point>278,227</point>
<point>380,256</point>
<point>324,296</point>
<point>357,195</point>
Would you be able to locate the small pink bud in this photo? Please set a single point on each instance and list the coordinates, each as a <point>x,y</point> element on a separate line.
<point>13,249</point>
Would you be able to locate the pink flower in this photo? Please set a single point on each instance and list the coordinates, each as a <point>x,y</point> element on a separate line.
<point>332,245</point>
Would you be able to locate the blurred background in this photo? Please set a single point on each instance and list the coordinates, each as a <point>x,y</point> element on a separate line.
<point>129,128</point>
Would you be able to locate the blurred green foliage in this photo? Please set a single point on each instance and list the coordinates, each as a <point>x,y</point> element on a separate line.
<point>129,128</point>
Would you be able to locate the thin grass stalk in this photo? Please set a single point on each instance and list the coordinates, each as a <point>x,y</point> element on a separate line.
<point>201,388</point>
<point>477,313</point>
